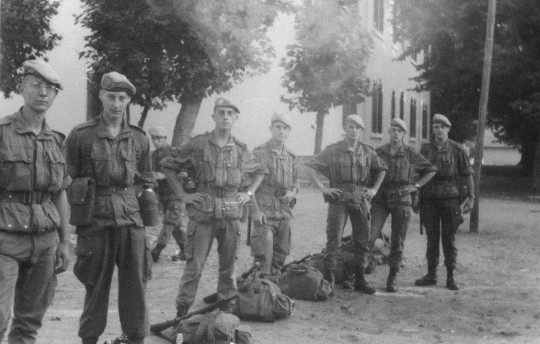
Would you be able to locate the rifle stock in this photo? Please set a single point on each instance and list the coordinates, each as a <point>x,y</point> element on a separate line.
<point>212,298</point>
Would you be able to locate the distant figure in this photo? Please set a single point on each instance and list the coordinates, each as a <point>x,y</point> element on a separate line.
<point>174,220</point>
<point>440,209</point>
<point>34,207</point>
<point>271,235</point>
<point>349,165</point>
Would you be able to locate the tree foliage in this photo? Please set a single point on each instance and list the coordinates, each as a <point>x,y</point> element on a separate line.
<point>25,33</point>
<point>326,65</point>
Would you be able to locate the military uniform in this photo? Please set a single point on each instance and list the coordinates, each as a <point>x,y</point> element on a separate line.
<point>116,235</point>
<point>271,241</point>
<point>219,175</point>
<point>350,171</point>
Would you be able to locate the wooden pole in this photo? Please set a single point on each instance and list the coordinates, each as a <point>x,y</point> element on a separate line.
<point>482,113</point>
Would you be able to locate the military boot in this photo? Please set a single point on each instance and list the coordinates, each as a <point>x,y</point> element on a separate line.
<point>156,252</point>
<point>429,279</point>
<point>391,281</point>
<point>361,285</point>
<point>450,282</point>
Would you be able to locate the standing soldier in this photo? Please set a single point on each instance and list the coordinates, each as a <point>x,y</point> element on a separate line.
<point>116,157</point>
<point>221,162</point>
<point>396,193</point>
<point>349,166</point>
<point>440,209</point>
<point>271,236</point>
<point>33,206</point>
<point>173,219</point>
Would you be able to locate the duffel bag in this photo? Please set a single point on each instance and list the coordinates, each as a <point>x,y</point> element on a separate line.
<point>213,328</point>
<point>303,281</point>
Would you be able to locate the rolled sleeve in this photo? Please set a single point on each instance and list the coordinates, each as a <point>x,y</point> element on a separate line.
<point>321,163</point>
<point>463,164</point>
<point>144,165</point>
<point>377,164</point>
<point>177,157</point>
<point>422,165</point>
<point>73,155</point>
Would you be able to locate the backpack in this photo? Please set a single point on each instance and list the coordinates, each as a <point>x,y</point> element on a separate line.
<point>303,281</point>
<point>213,328</point>
<point>260,299</point>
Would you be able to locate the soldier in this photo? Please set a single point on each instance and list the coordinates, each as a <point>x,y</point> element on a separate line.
<point>116,156</point>
<point>34,206</point>
<point>440,209</point>
<point>397,192</point>
<point>221,162</point>
<point>173,219</point>
<point>349,166</point>
<point>271,236</point>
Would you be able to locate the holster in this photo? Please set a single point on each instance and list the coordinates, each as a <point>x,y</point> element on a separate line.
<point>81,196</point>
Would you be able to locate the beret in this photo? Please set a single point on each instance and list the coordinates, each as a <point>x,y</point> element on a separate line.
<point>355,119</point>
<point>157,131</point>
<point>280,117</point>
<point>223,102</point>
<point>398,122</point>
<point>43,70</point>
<point>116,82</point>
<point>441,119</point>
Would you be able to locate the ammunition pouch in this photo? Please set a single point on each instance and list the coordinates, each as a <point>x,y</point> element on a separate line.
<point>218,205</point>
<point>81,196</point>
<point>353,196</point>
<point>401,194</point>
<point>441,190</point>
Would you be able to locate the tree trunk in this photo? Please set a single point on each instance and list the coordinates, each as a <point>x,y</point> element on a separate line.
<point>93,104</point>
<point>185,122</point>
<point>536,168</point>
<point>144,114</point>
<point>527,156</point>
<point>319,132</point>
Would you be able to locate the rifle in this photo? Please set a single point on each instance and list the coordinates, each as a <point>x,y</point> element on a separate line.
<point>159,327</point>
<point>212,298</point>
<point>250,223</point>
<point>298,261</point>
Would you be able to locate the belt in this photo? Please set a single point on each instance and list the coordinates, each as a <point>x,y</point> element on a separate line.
<point>25,197</point>
<point>350,187</point>
<point>114,190</point>
<point>218,192</point>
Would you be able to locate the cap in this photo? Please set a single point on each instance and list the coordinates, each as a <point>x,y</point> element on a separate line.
<point>438,118</point>
<point>355,119</point>
<point>43,70</point>
<point>398,122</point>
<point>116,82</point>
<point>223,102</point>
<point>280,117</point>
<point>157,131</point>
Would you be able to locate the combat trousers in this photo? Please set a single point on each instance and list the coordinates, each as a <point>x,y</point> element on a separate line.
<point>441,218</point>
<point>174,223</point>
<point>200,237</point>
<point>401,217</point>
<point>270,245</point>
<point>27,283</point>
<point>335,224</point>
<point>97,255</point>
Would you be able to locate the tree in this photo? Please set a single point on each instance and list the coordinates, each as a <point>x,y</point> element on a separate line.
<point>25,33</point>
<point>180,50</point>
<point>326,65</point>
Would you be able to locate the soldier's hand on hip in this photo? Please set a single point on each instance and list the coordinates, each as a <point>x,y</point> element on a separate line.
<point>242,198</point>
<point>62,258</point>
<point>289,196</point>
<point>195,198</point>
<point>370,193</point>
<point>467,206</point>
<point>332,192</point>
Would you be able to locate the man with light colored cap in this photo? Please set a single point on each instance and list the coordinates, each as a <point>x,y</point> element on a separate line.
<point>221,163</point>
<point>440,208</point>
<point>174,219</point>
<point>34,207</point>
<point>407,172</point>
<point>114,156</point>
<point>350,166</point>
<point>271,236</point>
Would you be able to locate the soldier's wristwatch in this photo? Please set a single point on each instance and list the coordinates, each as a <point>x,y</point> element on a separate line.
<point>249,193</point>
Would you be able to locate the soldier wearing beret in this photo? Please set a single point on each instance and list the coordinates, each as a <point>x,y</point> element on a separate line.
<point>271,235</point>
<point>115,156</point>
<point>174,220</point>
<point>440,208</point>
<point>349,166</point>
<point>33,204</point>
<point>221,164</point>
<point>396,194</point>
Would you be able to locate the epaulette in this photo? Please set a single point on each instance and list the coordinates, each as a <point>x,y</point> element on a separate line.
<point>8,119</point>
<point>260,146</point>
<point>136,127</point>
<point>94,121</point>
<point>240,143</point>
<point>368,146</point>
<point>456,144</point>
<point>61,136</point>
<point>333,144</point>
<point>290,152</point>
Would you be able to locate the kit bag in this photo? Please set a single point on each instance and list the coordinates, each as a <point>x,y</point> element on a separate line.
<point>213,328</point>
<point>303,281</point>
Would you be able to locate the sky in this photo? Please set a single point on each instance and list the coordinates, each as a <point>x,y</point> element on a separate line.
<point>256,97</point>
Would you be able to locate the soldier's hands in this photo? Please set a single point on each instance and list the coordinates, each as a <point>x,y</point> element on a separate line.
<point>289,196</point>
<point>242,198</point>
<point>370,193</point>
<point>467,206</point>
<point>259,218</point>
<point>332,192</point>
<point>62,258</point>
<point>194,198</point>
<point>159,176</point>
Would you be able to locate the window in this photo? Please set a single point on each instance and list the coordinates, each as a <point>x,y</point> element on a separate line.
<point>425,121</point>
<point>377,108</point>
<point>393,105</point>
<point>378,15</point>
<point>402,105</point>
<point>413,118</point>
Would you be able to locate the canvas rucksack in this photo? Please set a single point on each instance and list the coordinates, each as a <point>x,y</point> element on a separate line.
<point>303,281</point>
<point>213,328</point>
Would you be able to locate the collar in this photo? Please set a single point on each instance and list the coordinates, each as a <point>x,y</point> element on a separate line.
<point>103,131</point>
<point>212,138</point>
<point>387,148</point>
<point>22,126</point>
<point>444,146</point>
<point>345,147</point>
<point>278,149</point>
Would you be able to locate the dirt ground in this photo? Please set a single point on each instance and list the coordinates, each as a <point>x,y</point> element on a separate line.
<point>498,273</point>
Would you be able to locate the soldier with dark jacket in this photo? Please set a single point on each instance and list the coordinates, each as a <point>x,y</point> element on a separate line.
<point>33,207</point>
<point>221,163</point>
<point>349,166</point>
<point>116,157</point>
<point>396,193</point>
<point>440,208</point>
<point>271,235</point>
<point>174,221</point>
